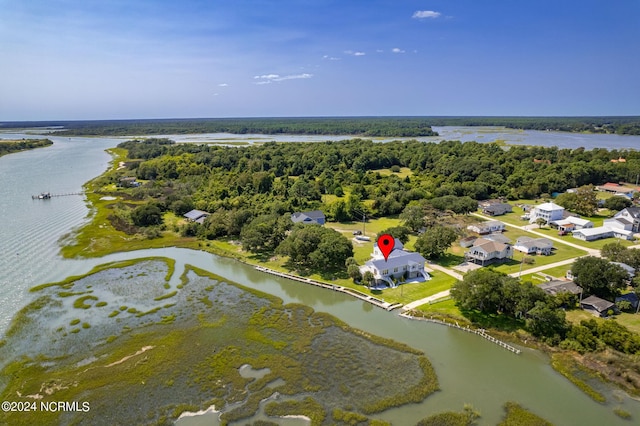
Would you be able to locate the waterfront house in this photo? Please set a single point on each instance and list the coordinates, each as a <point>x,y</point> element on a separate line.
<point>484,252</point>
<point>560,286</point>
<point>530,245</point>
<point>310,217</point>
<point>487,227</point>
<point>547,211</point>
<point>401,266</point>
<point>197,216</point>
<point>597,306</point>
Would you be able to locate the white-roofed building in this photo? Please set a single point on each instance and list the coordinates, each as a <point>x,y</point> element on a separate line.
<point>530,245</point>
<point>487,227</point>
<point>401,266</point>
<point>593,234</point>
<point>546,211</point>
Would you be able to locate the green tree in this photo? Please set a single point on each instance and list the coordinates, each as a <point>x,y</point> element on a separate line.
<point>354,273</point>
<point>599,277</point>
<point>368,278</point>
<point>482,289</point>
<point>617,203</point>
<point>546,320</point>
<point>540,222</point>
<point>265,232</point>
<point>435,241</point>
<point>413,217</point>
<point>316,247</point>
<point>147,215</point>
<point>399,232</point>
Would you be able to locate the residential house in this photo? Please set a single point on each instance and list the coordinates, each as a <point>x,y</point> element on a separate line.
<point>487,227</point>
<point>547,211</point>
<point>616,188</point>
<point>630,214</point>
<point>631,271</point>
<point>495,208</point>
<point>597,306</point>
<point>530,245</point>
<point>498,238</point>
<point>571,223</point>
<point>400,266</point>
<point>485,251</point>
<point>129,182</point>
<point>311,217</point>
<point>197,216</point>
<point>592,234</point>
<point>560,286</point>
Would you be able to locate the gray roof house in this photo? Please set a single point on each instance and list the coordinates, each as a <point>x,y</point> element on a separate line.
<point>197,216</point>
<point>314,216</point>
<point>560,286</point>
<point>530,245</point>
<point>495,208</point>
<point>487,227</point>
<point>597,306</point>
<point>629,297</point>
<point>485,251</point>
<point>401,266</point>
<point>631,214</point>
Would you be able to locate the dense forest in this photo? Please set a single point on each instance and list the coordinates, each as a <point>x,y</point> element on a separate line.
<point>352,126</point>
<point>7,147</point>
<point>250,188</point>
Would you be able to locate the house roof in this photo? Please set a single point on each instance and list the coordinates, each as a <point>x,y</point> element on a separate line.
<point>622,220</point>
<point>588,232</point>
<point>531,242</point>
<point>488,245</point>
<point>398,258</point>
<point>196,214</point>
<point>549,207</point>
<point>559,286</point>
<point>633,212</point>
<point>597,303</point>
<point>630,270</point>
<point>630,297</point>
<point>499,238</point>
<point>302,216</point>
<point>578,221</point>
<point>397,246</point>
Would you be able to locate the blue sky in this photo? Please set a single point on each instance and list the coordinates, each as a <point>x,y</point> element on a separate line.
<point>93,59</point>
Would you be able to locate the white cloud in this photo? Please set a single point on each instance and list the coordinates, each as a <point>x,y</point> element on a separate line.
<point>379,51</point>
<point>330,58</point>
<point>269,78</point>
<point>223,85</point>
<point>351,52</point>
<point>397,50</point>
<point>424,14</point>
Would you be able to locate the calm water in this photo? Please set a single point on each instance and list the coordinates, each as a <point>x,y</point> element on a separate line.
<point>470,370</point>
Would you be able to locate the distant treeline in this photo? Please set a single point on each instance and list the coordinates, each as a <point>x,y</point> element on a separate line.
<point>355,126</point>
<point>352,126</point>
<point>7,147</point>
<point>619,125</point>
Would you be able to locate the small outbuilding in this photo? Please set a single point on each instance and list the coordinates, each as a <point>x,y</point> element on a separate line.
<point>197,216</point>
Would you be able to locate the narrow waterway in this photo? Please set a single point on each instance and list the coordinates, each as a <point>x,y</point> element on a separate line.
<point>470,369</point>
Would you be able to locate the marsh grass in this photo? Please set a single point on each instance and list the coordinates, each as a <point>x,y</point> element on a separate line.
<point>198,347</point>
<point>515,415</point>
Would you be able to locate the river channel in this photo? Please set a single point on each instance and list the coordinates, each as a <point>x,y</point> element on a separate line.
<point>470,369</point>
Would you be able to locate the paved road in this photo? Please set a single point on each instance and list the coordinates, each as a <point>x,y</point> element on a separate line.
<point>528,228</point>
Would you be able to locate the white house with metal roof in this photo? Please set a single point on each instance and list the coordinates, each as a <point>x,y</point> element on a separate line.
<point>401,266</point>
<point>546,211</point>
<point>530,245</point>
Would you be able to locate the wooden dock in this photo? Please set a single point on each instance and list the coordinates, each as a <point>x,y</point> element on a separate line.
<point>355,293</point>
<point>479,332</point>
<point>48,195</point>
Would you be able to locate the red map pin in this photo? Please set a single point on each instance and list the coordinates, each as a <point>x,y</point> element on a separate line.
<point>386,243</point>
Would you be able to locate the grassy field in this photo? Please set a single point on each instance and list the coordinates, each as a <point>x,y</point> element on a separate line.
<point>631,321</point>
<point>404,172</point>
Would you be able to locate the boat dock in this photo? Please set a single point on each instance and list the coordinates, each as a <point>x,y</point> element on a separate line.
<point>479,332</point>
<point>355,293</point>
<point>48,195</point>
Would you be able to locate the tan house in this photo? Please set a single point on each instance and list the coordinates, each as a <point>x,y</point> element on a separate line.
<point>484,252</point>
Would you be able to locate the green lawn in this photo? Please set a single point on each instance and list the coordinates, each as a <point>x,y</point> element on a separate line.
<point>446,307</point>
<point>406,293</point>
<point>631,321</point>
<point>558,272</point>
<point>404,172</point>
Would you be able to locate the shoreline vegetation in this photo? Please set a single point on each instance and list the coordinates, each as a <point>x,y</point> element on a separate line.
<point>155,363</point>
<point>9,146</point>
<point>351,126</point>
